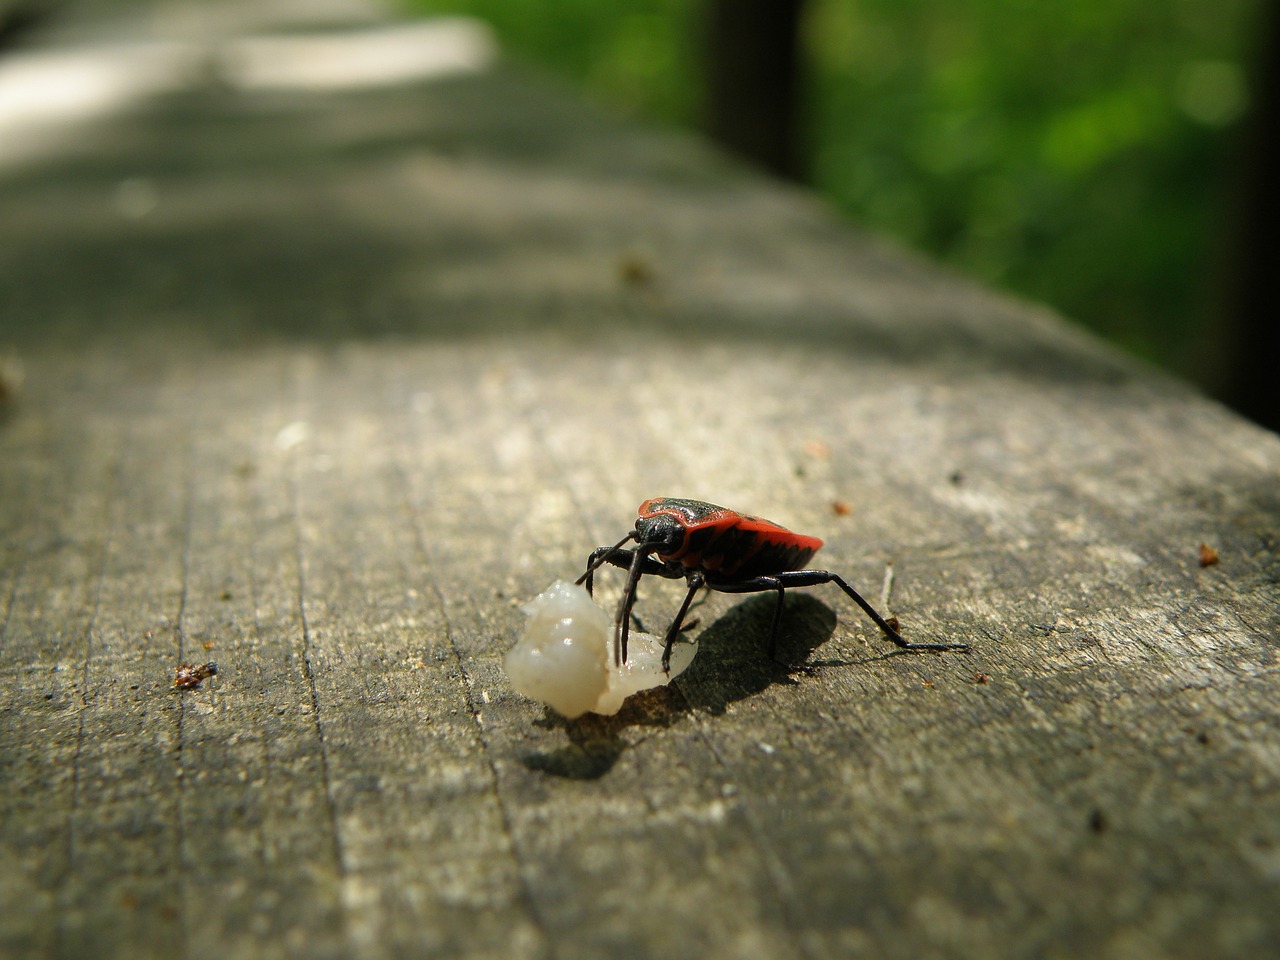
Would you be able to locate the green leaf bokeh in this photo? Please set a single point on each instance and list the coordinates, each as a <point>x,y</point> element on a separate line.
<point>1078,154</point>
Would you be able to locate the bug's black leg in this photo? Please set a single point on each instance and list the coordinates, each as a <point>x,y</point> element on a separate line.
<point>813,578</point>
<point>688,625</point>
<point>696,583</point>
<point>808,578</point>
<point>760,585</point>
<point>772,583</point>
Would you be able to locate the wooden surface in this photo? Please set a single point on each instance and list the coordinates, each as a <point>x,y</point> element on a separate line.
<point>376,368</point>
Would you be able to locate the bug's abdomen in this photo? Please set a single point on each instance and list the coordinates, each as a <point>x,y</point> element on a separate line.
<point>743,550</point>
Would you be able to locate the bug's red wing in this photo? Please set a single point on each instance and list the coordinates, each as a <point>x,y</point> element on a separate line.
<point>762,547</point>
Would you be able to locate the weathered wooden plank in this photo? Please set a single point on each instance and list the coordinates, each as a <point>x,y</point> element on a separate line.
<point>371,608</point>
<point>54,562</point>
<point>375,371</point>
<point>254,770</point>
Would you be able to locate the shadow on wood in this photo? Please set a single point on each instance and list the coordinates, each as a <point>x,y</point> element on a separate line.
<point>731,665</point>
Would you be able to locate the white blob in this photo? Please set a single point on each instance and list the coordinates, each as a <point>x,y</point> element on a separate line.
<point>564,658</point>
<point>561,657</point>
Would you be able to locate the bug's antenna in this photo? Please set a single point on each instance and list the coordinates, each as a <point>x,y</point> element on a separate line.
<point>622,621</point>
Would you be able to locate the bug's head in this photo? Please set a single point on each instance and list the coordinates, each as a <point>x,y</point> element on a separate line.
<point>662,533</point>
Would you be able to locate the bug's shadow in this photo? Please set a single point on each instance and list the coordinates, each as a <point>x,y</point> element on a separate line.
<point>732,664</point>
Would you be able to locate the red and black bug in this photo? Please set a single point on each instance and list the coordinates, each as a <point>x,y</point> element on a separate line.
<point>719,549</point>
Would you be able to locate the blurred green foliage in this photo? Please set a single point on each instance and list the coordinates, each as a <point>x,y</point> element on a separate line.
<point>642,55</point>
<point>1079,154</point>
